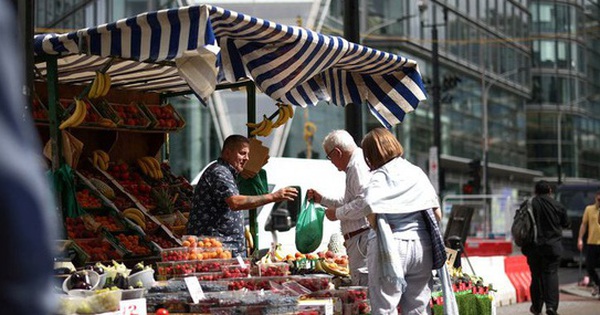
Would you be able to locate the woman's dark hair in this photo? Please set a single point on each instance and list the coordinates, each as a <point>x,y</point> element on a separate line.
<point>543,187</point>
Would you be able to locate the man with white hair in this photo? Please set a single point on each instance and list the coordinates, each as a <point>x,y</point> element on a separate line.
<point>343,152</point>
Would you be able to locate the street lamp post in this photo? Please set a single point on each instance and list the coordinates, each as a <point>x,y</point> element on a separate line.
<point>485,175</point>
<point>436,103</point>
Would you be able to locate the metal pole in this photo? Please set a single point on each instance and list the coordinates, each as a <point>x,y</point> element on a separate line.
<point>437,125</point>
<point>253,215</point>
<point>559,143</point>
<point>353,112</point>
<point>25,12</point>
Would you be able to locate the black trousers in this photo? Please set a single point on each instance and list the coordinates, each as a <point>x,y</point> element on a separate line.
<point>592,261</point>
<point>543,265</point>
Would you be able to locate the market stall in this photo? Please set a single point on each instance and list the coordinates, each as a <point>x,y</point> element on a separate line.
<point>102,105</point>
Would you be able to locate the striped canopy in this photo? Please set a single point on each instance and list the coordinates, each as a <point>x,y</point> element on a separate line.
<point>198,47</point>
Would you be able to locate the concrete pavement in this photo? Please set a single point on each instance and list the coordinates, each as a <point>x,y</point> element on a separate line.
<point>574,300</point>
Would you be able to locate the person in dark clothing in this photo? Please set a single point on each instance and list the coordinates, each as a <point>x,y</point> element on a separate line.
<point>543,257</point>
<point>217,199</point>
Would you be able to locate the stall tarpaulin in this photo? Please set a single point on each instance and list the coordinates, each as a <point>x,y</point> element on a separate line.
<point>199,47</point>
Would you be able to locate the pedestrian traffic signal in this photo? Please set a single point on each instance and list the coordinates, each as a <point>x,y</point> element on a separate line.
<point>473,185</point>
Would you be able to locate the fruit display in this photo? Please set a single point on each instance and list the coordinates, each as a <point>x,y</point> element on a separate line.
<point>163,240</point>
<point>272,269</point>
<point>76,228</point>
<point>150,167</point>
<point>81,280</point>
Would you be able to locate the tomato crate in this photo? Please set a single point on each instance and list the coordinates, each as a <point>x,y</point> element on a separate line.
<point>163,117</point>
<point>99,249</point>
<point>108,219</point>
<point>107,111</point>
<point>132,116</point>
<point>136,245</point>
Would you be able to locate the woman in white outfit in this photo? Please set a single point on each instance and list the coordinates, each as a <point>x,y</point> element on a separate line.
<point>399,203</point>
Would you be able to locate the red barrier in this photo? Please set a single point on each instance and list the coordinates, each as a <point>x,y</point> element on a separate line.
<point>488,247</point>
<point>518,273</point>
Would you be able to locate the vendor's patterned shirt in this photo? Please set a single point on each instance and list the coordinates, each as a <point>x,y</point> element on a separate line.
<point>210,214</point>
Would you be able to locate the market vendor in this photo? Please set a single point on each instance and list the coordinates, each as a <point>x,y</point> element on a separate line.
<point>217,200</point>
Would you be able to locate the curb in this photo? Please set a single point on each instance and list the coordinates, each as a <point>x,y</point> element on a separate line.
<point>575,289</point>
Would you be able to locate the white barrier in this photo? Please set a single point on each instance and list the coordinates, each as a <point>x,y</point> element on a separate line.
<point>491,270</point>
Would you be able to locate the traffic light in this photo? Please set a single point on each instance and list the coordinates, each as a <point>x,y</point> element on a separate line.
<point>473,185</point>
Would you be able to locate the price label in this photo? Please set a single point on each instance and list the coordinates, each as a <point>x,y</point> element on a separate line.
<point>241,261</point>
<point>194,288</point>
<point>133,307</point>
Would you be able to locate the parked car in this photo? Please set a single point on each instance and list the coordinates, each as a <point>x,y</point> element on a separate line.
<point>575,197</point>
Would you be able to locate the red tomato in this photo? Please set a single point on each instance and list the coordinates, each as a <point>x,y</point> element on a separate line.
<point>162,311</point>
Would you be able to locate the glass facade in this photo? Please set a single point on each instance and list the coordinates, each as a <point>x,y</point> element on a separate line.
<point>563,129</point>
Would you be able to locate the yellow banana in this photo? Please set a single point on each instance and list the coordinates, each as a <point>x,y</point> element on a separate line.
<point>253,125</point>
<point>102,165</point>
<point>137,220</point>
<point>290,111</point>
<point>260,127</point>
<point>101,84</point>
<point>82,113</point>
<point>267,130</point>
<point>142,166</point>
<point>281,117</point>
<point>135,211</point>
<point>93,92</point>
<point>77,117</point>
<point>107,83</point>
<point>103,155</point>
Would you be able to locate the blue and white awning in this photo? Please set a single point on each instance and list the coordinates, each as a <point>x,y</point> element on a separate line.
<point>199,47</point>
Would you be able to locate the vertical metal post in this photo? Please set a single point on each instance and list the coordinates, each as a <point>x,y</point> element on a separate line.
<point>437,125</point>
<point>25,13</point>
<point>251,112</point>
<point>55,134</point>
<point>353,112</point>
<point>559,144</point>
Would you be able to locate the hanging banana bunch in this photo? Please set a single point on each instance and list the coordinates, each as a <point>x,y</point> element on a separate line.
<point>100,85</point>
<point>77,117</point>
<point>264,128</point>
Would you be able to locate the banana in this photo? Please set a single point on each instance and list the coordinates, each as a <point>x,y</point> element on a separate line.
<point>103,155</point>
<point>102,165</point>
<point>82,114</point>
<point>290,111</point>
<point>281,116</point>
<point>107,83</point>
<point>77,117</point>
<point>135,211</point>
<point>267,130</point>
<point>259,127</point>
<point>253,125</point>
<point>142,166</point>
<point>101,84</point>
<point>154,167</point>
<point>137,220</point>
<point>93,92</point>
<point>105,122</point>
<point>318,266</point>
<point>249,237</point>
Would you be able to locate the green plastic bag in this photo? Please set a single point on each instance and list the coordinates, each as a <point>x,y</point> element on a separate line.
<point>309,227</point>
<point>254,186</point>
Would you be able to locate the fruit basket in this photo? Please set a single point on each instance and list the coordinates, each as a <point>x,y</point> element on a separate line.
<point>314,282</point>
<point>271,269</point>
<point>163,117</point>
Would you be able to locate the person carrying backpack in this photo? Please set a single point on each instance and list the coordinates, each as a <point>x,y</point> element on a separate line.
<point>543,256</point>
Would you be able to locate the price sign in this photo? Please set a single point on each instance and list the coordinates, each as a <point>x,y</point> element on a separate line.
<point>133,307</point>
<point>241,261</point>
<point>194,288</point>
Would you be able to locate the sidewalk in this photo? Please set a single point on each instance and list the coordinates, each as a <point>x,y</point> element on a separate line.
<point>574,299</point>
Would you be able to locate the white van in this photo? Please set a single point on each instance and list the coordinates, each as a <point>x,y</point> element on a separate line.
<point>320,175</point>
